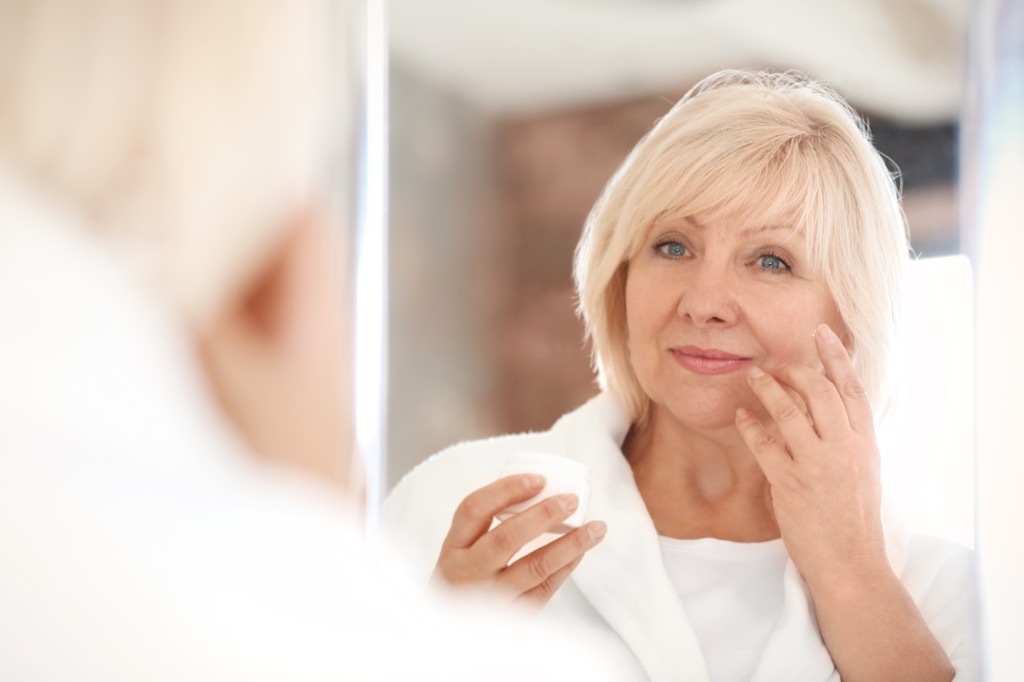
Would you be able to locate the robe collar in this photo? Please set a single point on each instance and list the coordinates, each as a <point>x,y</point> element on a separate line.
<point>627,583</point>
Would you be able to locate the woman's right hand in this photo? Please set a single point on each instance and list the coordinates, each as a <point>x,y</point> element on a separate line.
<point>475,555</point>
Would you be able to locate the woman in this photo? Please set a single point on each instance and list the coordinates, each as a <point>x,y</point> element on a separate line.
<point>175,494</point>
<point>739,280</point>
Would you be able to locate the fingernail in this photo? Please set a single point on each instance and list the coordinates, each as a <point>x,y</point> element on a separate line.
<point>597,529</point>
<point>568,502</point>
<point>755,372</point>
<point>534,481</point>
<point>826,333</point>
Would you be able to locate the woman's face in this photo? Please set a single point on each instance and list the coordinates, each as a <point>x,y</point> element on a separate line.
<point>707,299</point>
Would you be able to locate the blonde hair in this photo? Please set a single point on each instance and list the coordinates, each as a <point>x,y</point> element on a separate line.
<point>182,130</point>
<point>739,143</point>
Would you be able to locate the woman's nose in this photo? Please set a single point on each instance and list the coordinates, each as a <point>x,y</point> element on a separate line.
<point>709,297</point>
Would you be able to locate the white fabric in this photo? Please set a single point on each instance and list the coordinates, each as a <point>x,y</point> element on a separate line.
<point>621,591</point>
<point>141,542</point>
<point>732,594</point>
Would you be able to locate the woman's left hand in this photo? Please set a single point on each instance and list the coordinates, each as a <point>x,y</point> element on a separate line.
<point>822,464</point>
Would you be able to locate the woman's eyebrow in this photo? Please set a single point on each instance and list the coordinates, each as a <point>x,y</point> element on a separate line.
<point>753,230</point>
<point>756,230</point>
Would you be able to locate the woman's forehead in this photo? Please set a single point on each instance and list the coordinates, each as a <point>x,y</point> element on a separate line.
<point>746,224</point>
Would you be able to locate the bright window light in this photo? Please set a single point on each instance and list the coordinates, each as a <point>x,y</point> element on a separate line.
<point>927,440</point>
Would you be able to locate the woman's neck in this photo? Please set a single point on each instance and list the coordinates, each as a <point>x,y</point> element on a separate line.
<point>699,482</point>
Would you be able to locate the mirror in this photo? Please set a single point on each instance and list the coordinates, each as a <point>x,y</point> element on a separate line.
<point>506,121</point>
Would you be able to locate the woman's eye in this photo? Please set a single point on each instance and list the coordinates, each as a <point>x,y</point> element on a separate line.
<point>772,262</point>
<point>671,249</point>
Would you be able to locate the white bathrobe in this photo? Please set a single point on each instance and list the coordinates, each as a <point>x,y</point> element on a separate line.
<point>621,593</point>
<point>139,540</point>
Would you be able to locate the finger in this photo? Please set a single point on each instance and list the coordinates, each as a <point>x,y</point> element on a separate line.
<point>540,595</point>
<point>820,395</point>
<point>497,547</point>
<point>475,513</point>
<point>839,369</point>
<point>798,399</point>
<point>543,569</point>
<point>792,423</point>
<point>771,455</point>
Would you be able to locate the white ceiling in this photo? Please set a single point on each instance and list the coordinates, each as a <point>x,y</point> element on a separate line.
<point>901,58</point>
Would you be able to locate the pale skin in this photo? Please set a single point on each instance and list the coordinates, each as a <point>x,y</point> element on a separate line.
<point>782,444</point>
<point>474,554</point>
<point>274,356</point>
<point>778,442</point>
<point>825,495</point>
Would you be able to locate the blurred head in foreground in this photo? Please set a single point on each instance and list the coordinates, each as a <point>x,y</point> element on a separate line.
<point>169,308</point>
<point>189,139</point>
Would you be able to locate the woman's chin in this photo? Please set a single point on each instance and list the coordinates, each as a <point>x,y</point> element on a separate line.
<point>709,417</point>
<point>705,408</point>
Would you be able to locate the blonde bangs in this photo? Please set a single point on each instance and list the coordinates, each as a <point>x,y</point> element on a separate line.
<point>765,149</point>
<point>777,182</point>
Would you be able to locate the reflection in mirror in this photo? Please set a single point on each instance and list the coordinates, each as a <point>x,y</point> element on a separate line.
<point>508,119</point>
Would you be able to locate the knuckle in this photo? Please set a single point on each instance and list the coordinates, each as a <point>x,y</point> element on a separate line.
<point>551,510</point>
<point>470,507</point>
<point>454,576</point>
<point>789,412</point>
<point>852,388</point>
<point>545,589</point>
<point>540,568</point>
<point>764,442</point>
<point>453,572</point>
<point>824,389</point>
<point>836,351</point>
<point>515,486</point>
<point>503,540</point>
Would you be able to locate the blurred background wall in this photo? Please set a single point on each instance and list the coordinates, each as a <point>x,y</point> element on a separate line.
<point>508,118</point>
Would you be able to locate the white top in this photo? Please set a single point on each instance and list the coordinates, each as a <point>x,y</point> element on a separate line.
<point>732,593</point>
<point>622,594</point>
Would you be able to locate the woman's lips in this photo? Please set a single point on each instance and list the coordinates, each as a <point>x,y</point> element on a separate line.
<point>709,361</point>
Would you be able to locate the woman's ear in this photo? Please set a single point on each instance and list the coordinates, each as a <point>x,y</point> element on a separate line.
<point>277,354</point>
